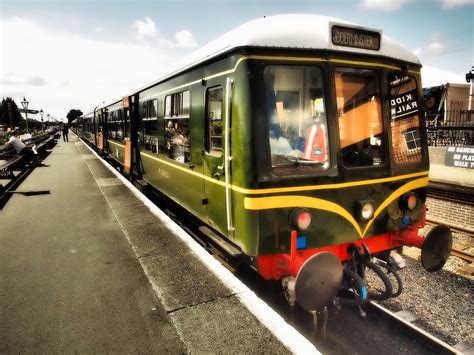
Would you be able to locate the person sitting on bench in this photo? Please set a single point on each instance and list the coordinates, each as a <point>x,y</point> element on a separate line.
<point>21,147</point>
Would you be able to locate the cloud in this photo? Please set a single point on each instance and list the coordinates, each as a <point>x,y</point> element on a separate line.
<point>36,81</point>
<point>185,39</point>
<point>384,5</point>
<point>449,4</point>
<point>145,28</point>
<point>432,76</point>
<point>69,70</point>
<point>17,79</point>
<point>436,46</point>
<point>147,31</point>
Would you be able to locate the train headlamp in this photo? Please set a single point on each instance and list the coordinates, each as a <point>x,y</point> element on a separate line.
<point>409,201</point>
<point>300,219</point>
<point>365,210</point>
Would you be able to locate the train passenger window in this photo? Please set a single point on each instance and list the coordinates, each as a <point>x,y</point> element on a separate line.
<point>405,119</point>
<point>177,134</point>
<point>213,143</point>
<point>360,117</point>
<point>168,106</point>
<point>178,104</point>
<point>114,126</point>
<point>121,132</point>
<point>148,134</point>
<point>296,116</point>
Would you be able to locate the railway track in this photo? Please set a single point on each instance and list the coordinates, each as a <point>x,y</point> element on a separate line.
<point>463,255</point>
<point>458,250</point>
<point>405,320</point>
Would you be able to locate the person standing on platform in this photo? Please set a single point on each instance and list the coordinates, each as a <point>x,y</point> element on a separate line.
<point>65,132</point>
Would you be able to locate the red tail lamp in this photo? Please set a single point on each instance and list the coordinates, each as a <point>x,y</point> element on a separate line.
<point>300,219</point>
<point>409,201</point>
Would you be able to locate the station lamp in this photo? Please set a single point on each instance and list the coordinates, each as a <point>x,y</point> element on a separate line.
<point>41,115</point>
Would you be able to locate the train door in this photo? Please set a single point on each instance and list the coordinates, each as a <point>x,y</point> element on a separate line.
<point>217,153</point>
<point>132,125</point>
<point>127,165</point>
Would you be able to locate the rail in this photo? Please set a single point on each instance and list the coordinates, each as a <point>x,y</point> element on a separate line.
<point>439,346</point>
<point>462,254</point>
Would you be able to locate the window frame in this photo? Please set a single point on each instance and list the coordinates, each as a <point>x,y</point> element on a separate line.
<point>208,120</point>
<point>175,103</point>
<point>385,134</point>
<point>412,157</point>
<point>299,170</point>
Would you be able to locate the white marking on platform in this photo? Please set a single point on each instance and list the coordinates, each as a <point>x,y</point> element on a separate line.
<point>283,331</point>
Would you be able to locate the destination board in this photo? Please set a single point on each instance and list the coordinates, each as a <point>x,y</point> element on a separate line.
<point>356,38</point>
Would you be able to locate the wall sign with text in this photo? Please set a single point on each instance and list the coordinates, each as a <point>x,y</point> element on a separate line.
<point>462,157</point>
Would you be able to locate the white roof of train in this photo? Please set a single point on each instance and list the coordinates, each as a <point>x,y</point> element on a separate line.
<point>293,31</point>
<point>296,31</point>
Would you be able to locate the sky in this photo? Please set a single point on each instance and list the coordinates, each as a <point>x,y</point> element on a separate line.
<point>76,54</point>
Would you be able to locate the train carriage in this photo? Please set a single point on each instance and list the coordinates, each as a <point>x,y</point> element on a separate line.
<point>298,141</point>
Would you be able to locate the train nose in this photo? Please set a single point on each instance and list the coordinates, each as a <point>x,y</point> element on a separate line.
<point>436,248</point>
<point>318,281</point>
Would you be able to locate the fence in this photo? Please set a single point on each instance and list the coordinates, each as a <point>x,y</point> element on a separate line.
<point>454,127</point>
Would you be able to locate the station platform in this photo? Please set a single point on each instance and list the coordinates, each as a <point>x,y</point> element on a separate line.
<point>442,174</point>
<point>89,266</point>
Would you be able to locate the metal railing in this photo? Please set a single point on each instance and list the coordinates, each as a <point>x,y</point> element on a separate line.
<point>450,128</point>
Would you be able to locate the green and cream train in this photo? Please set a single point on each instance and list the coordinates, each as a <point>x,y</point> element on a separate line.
<point>299,143</point>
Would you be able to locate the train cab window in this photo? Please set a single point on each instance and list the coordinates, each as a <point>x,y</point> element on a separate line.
<point>405,119</point>
<point>148,135</point>
<point>360,117</point>
<point>177,135</point>
<point>214,103</point>
<point>296,115</point>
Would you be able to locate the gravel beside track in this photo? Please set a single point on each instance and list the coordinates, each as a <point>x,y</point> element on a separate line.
<point>444,300</point>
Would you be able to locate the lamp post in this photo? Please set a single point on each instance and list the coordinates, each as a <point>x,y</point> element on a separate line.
<point>25,103</point>
<point>41,115</point>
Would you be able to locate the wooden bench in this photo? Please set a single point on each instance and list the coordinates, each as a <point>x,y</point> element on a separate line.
<point>44,144</point>
<point>10,158</point>
<point>5,167</point>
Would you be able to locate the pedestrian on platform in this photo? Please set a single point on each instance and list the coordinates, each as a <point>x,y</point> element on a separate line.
<point>65,132</point>
<point>21,147</point>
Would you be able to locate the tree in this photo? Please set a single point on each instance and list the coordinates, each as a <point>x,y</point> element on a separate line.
<point>73,114</point>
<point>9,113</point>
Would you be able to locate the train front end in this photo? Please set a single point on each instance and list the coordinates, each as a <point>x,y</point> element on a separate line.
<point>342,163</point>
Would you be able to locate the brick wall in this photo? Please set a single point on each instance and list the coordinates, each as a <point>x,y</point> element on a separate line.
<point>437,155</point>
<point>449,212</point>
